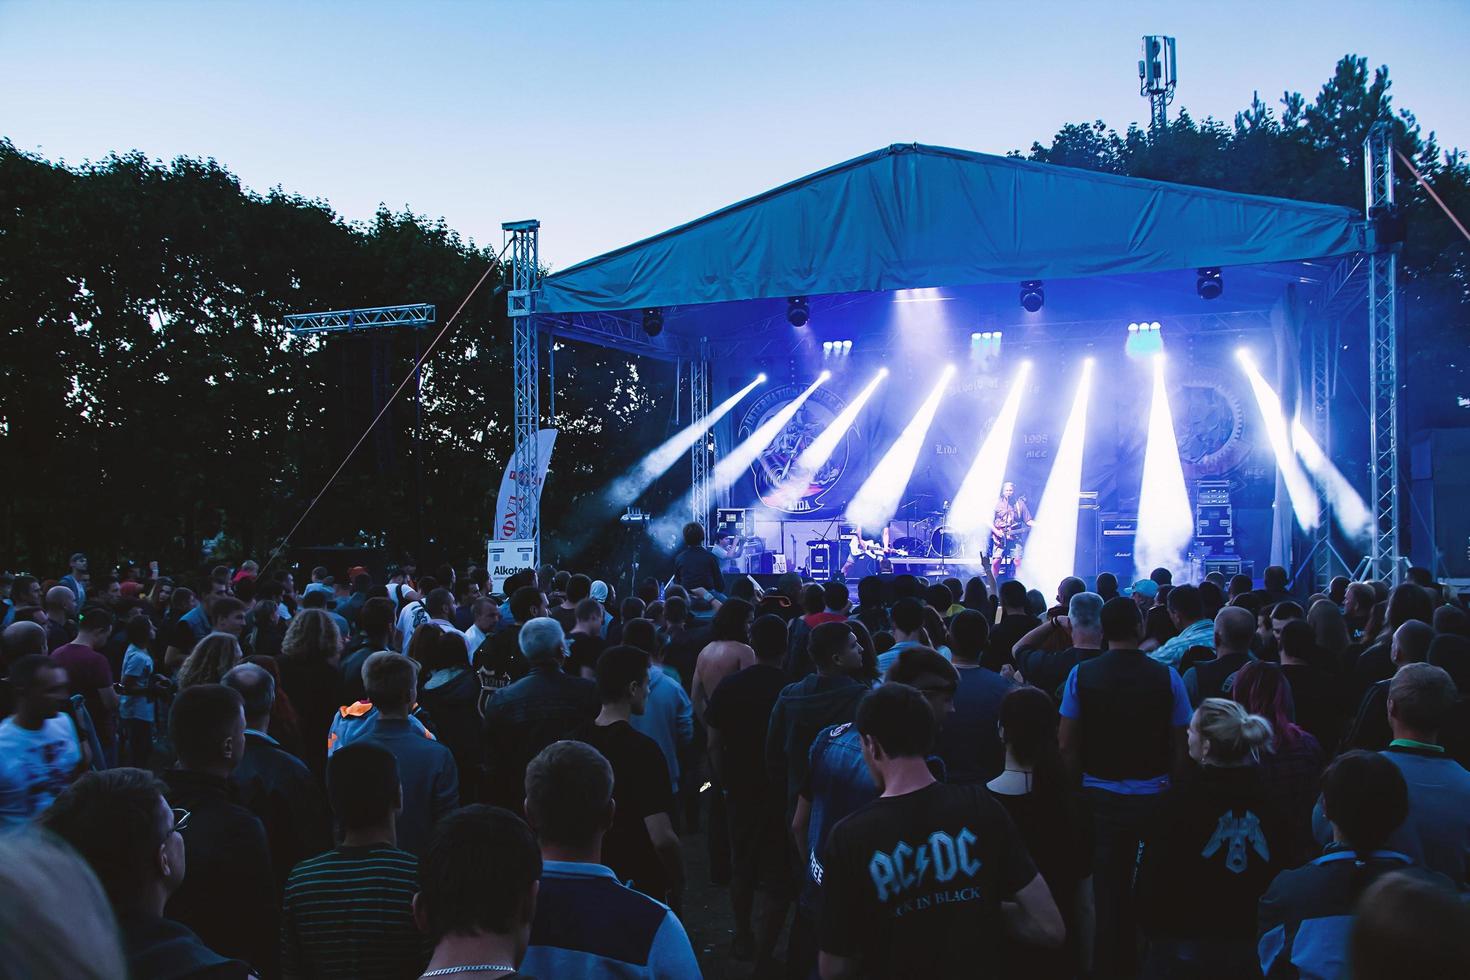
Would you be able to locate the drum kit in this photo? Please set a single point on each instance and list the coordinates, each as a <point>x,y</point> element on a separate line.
<point>930,533</point>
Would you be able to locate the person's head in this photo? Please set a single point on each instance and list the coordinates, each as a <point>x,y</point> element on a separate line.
<point>589,616</point>
<point>120,823</point>
<point>1262,689</point>
<point>1298,644</point>
<point>1161,576</point>
<point>527,603</point>
<point>440,604</point>
<point>1185,606</point>
<point>1283,613</point>
<point>578,588</point>
<point>376,619</point>
<point>768,639</point>
<point>1144,593</point>
<point>1070,586</point>
<point>1420,698</point>
<point>1223,733</point>
<point>448,652</point>
<point>94,628</point>
<point>227,615</point>
<point>693,534</point>
<point>1122,624</point>
<point>1240,585</point>
<point>1407,601</point>
<point>1359,600</point>
<point>1275,578</point>
<point>569,796</point>
<point>908,616</point>
<point>363,786</point>
<point>40,686</point>
<point>1084,613</point>
<point>209,661</point>
<point>1107,586</point>
<point>1234,628</point>
<point>1411,643</point>
<point>1452,619</point>
<point>622,677</point>
<point>643,634</point>
<point>207,726</point>
<point>54,915</point>
<point>1007,490</point>
<point>969,632</point>
<point>676,611</point>
<point>835,649</point>
<point>479,876</point>
<point>632,608</point>
<point>315,598</point>
<point>1337,589</point>
<point>1406,926</point>
<point>26,591</point>
<point>390,682</point>
<point>1212,597</point>
<point>257,690</point>
<point>139,631</point>
<point>895,722</point>
<point>1028,726</point>
<point>937,598</point>
<point>836,596</point>
<point>927,672</point>
<point>543,642</point>
<point>813,600</point>
<point>486,612</point>
<point>1365,797</point>
<point>61,602</point>
<point>313,634</point>
<point>1452,652</point>
<point>1013,596</point>
<point>1329,629</point>
<point>976,596</point>
<point>1158,625</point>
<point>23,638</point>
<point>732,621</point>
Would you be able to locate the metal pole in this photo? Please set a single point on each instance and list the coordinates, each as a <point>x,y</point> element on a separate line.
<point>521,303</point>
<point>699,454</point>
<point>1382,360</point>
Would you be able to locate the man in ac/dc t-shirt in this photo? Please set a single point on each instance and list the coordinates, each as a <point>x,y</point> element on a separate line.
<point>914,880</point>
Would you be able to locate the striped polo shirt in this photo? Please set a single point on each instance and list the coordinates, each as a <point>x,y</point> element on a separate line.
<point>348,913</point>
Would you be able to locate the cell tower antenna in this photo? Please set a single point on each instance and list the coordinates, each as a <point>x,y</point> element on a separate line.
<point>1158,72</point>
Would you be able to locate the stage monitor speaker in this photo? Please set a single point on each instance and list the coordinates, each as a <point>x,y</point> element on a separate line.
<point>1087,542</point>
<point>1115,553</point>
<point>1439,535</point>
<point>823,560</point>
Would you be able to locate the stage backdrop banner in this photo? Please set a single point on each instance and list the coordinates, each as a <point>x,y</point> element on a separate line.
<point>505,507</point>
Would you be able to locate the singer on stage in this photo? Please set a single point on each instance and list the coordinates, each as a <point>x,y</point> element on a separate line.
<point>1007,530</point>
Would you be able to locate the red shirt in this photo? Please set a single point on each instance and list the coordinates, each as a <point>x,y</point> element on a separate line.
<point>86,672</point>
<point>817,619</point>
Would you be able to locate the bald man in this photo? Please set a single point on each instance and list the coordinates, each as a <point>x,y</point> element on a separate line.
<point>1234,627</point>
<point>61,614</point>
<point>1370,729</point>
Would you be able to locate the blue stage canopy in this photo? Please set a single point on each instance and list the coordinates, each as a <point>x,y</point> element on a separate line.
<point>914,216</point>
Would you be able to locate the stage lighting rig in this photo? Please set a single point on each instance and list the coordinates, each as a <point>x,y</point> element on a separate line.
<point>1209,285</point>
<point>653,322</point>
<point>798,313</point>
<point>1032,295</point>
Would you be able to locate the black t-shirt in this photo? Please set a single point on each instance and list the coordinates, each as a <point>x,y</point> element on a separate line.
<point>1004,636</point>
<point>1048,669</point>
<point>912,884</point>
<point>641,788</point>
<point>741,709</point>
<point>501,655</point>
<point>585,649</point>
<point>1060,842</point>
<point>566,617</point>
<point>682,653</point>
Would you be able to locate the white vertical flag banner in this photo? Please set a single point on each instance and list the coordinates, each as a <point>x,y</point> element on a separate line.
<point>505,509</point>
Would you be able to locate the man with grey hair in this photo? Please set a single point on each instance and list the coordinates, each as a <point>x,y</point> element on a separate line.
<point>545,705</point>
<point>587,922</point>
<point>1048,669</point>
<point>426,767</point>
<point>1370,728</point>
<point>272,783</point>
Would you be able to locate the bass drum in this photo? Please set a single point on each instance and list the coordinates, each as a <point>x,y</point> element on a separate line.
<point>946,542</point>
<point>910,546</point>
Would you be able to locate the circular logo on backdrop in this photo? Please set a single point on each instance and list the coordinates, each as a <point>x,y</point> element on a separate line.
<point>1209,422</point>
<point>778,483</point>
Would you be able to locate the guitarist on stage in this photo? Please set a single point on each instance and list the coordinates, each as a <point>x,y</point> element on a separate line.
<point>1012,519</point>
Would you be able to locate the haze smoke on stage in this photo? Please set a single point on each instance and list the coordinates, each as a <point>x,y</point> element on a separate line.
<point>1348,508</point>
<point>630,486</point>
<point>1165,519</point>
<point>878,498</point>
<point>1051,551</point>
<point>974,501</point>
<point>729,469</point>
<point>1298,487</point>
<point>821,449</point>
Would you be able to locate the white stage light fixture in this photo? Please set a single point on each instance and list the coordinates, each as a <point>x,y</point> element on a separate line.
<point>877,499</point>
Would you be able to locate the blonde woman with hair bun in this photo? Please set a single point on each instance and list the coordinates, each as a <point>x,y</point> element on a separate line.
<point>1219,843</point>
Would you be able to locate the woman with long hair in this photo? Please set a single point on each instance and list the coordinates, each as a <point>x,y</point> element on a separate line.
<point>1219,842</point>
<point>1036,791</point>
<point>1158,629</point>
<point>1331,632</point>
<point>1293,765</point>
<point>285,726</point>
<point>977,597</point>
<point>310,654</point>
<point>421,646</point>
<point>209,661</point>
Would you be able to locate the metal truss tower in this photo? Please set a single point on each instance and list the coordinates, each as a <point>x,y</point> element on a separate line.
<point>521,304</point>
<point>701,453</point>
<point>1383,549</point>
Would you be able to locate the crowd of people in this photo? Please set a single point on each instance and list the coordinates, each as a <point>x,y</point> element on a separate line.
<point>433,774</point>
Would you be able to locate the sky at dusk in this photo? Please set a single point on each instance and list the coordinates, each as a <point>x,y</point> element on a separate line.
<point>610,121</point>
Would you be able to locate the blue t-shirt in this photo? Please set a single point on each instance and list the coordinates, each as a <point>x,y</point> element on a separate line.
<point>138,664</point>
<point>1178,717</point>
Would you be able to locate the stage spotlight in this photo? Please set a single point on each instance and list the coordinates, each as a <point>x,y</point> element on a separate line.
<point>1032,295</point>
<point>1348,508</point>
<point>653,322</point>
<point>1243,355</point>
<point>797,311</point>
<point>628,487</point>
<point>846,346</point>
<point>1209,285</point>
<point>1051,551</point>
<point>1133,328</point>
<point>1155,326</point>
<point>974,337</point>
<point>827,348</point>
<point>877,499</point>
<point>820,449</point>
<point>1165,518</point>
<point>974,501</point>
<point>1298,487</point>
